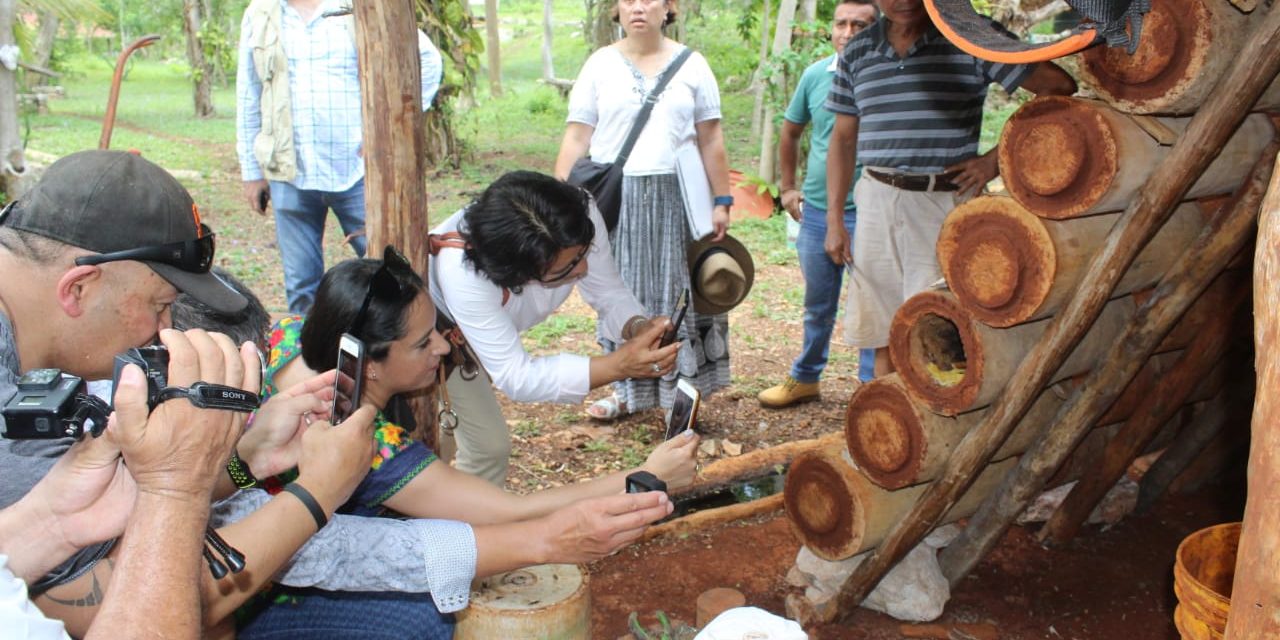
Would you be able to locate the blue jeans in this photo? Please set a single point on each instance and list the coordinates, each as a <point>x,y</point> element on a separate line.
<point>331,615</point>
<point>822,286</point>
<point>300,217</point>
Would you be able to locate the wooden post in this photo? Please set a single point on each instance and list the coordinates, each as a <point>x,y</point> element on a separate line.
<point>1184,283</point>
<point>1157,408</point>
<point>394,145</point>
<point>1255,68</point>
<point>1255,594</point>
<point>1190,443</point>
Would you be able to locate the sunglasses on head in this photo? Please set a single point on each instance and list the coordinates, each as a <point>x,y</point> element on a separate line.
<point>384,284</point>
<point>564,273</point>
<point>192,256</point>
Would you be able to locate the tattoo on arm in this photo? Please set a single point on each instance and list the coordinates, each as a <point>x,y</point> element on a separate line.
<point>96,590</point>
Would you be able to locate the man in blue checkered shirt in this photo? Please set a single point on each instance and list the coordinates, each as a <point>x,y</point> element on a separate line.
<point>298,128</point>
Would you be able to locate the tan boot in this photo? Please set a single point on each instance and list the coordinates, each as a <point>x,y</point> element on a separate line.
<point>788,393</point>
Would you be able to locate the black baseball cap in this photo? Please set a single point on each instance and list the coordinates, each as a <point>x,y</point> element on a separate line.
<point>121,205</point>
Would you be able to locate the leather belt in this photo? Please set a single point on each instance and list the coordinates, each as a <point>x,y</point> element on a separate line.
<point>916,182</point>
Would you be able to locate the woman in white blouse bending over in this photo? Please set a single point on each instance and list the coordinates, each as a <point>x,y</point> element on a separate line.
<point>651,237</point>
<point>504,264</point>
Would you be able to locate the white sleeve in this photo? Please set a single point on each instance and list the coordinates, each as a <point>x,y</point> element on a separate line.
<point>19,617</point>
<point>356,553</point>
<point>431,68</point>
<point>475,304</point>
<point>582,98</point>
<point>603,287</point>
<point>706,92</point>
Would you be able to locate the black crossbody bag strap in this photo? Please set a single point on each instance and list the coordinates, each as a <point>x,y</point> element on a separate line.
<point>649,100</point>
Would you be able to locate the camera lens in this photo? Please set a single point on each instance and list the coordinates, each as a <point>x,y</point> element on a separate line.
<point>43,425</point>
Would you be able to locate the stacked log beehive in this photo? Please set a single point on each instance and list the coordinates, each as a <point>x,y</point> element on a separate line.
<point>1070,165</point>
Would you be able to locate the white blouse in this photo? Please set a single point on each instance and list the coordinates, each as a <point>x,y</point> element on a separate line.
<point>493,329</point>
<point>608,95</point>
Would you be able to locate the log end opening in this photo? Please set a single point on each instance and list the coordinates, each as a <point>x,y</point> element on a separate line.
<point>1058,156</point>
<point>998,259</point>
<point>936,350</point>
<point>1175,39</point>
<point>822,503</point>
<point>884,433</point>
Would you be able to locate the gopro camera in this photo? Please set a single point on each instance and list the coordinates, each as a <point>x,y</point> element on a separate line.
<point>154,362</point>
<point>643,481</point>
<point>49,404</point>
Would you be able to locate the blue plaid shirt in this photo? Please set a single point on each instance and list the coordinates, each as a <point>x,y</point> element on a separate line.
<point>324,95</point>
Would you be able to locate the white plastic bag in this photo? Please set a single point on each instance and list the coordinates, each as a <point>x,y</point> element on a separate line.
<point>751,623</point>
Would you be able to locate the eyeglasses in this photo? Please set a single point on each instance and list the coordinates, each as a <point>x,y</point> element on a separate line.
<point>383,284</point>
<point>564,273</point>
<point>192,256</point>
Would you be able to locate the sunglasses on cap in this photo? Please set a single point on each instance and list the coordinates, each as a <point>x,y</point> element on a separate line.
<point>192,256</point>
<point>384,284</point>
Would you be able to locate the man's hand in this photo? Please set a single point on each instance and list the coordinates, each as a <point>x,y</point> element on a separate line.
<point>87,495</point>
<point>256,192</point>
<point>792,199</point>
<point>592,529</point>
<point>675,461</point>
<point>837,244</point>
<point>179,449</point>
<point>336,458</point>
<point>274,442</point>
<point>974,174</point>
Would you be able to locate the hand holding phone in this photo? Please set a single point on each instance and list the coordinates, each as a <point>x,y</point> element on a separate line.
<point>348,383</point>
<point>684,409</point>
<point>676,319</point>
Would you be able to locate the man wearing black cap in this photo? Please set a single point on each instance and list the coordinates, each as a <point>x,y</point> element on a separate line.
<point>90,261</point>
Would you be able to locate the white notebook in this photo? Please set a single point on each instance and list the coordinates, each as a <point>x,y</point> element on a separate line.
<point>696,191</point>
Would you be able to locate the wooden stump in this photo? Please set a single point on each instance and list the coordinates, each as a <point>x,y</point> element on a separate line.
<point>1186,47</point>
<point>1067,157</point>
<point>550,601</point>
<point>1007,266</point>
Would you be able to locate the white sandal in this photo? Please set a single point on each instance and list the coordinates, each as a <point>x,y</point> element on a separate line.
<point>607,409</point>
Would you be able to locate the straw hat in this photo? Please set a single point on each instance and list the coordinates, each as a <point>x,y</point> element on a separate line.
<point>720,274</point>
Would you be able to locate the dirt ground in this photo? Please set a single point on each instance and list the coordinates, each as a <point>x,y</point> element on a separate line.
<point>1113,584</point>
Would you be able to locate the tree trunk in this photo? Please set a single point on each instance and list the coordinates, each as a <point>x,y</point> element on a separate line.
<point>201,74</point>
<point>781,42</point>
<point>12,163</point>
<point>44,43</point>
<point>493,47</point>
<point>548,69</point>
<point>758,80</point>
<point>1255,593</point>
<point>598,27</point>
<point>808,10</point>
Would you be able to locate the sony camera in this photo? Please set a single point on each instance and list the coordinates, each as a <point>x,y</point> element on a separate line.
<point>154,362</point>
<point>48,405</point>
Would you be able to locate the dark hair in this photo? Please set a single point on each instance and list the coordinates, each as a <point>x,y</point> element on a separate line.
<point>870,3</point>
<point>672,12</point>
<point>342,290</point>
<point>249,325</point>
<point>515,229</point>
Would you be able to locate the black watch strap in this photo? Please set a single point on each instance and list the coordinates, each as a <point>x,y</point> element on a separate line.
<point>240,474</point>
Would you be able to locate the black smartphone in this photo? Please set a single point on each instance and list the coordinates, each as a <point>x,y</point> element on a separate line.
<point>643,481</point>
<point>684,408</point>
<point>348,383</point>
<point>677,317</point>
<point>264,197</point>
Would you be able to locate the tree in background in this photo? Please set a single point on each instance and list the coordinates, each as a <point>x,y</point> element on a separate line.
<point>495,50</point>
<point>449,25</point>
<point>201,71</point>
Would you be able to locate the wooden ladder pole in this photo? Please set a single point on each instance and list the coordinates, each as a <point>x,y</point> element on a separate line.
<point>1179,289</point>
<point>1207,132</point>
<point>1191,442</point>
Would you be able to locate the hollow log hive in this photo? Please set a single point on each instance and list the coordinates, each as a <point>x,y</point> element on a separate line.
<point>1011,262</point>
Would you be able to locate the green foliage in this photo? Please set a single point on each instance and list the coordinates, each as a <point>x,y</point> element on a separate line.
<point>760,184</point>
<point>548,334</point>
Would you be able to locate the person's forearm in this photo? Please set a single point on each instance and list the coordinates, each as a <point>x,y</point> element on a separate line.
<point>788,149</point>
<point>506,547</point>
<point>27,536</point>
<point>714,158</point>
<point>574,145</point>
<point>605,370</point>
<point>841,159</point>
<point>153,587</point>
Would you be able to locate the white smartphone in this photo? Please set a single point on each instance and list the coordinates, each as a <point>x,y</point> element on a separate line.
<point>684,409</point>
<point>348,384</point>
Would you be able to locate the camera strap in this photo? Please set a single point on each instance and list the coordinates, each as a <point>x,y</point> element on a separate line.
<point>205,395</point>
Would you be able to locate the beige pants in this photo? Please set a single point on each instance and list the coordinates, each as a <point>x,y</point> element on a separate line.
<point>482,442</point>
<point>894,255</point>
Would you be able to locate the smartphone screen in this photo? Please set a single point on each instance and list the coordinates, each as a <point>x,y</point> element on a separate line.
<point>677,317</point>
<point>683,409</point>
<point>347,383</point>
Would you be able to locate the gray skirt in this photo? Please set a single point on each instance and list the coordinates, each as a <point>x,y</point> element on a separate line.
<point>649,247</point>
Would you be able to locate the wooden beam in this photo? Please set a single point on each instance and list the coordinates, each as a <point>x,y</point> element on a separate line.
<point>394,146</point>
<point>1208,131</point>
<point>1190,443</point>
<point>1255,594</point>
<point>1180,288</point>
<point>1157,408</point>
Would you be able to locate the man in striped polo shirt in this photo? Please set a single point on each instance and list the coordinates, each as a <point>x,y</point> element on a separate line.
<point>908,107</point>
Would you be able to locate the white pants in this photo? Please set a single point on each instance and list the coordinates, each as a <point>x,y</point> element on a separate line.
<point>894,255</point>
<point>482,441</point>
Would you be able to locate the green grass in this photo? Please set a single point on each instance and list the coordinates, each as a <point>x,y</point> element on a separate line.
<point>548,334</point>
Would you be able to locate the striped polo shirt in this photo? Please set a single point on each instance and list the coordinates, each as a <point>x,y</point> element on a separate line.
<point>920,113</point>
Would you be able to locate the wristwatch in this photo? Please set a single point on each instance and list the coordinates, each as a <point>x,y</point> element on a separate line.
<point>723,200</point>
<point>239,472</point>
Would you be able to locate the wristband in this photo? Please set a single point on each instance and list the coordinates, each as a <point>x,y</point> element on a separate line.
<point>212,396</point>
<point>723,200</point>
<point>240,474</point>
<point>309,501</point>
<point>629,329</point>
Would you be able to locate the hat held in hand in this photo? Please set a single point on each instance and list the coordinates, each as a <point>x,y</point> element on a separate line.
<point>721,274</point>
